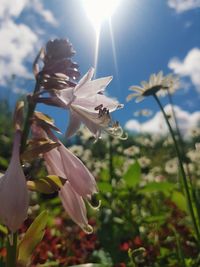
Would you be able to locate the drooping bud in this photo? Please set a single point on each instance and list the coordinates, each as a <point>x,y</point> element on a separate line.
<point>13,191</point>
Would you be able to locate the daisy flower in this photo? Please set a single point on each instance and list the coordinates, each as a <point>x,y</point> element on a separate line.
<point>157,83</point>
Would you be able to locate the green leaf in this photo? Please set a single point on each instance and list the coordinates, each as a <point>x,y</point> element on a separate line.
<point>46,185</point>
<point>164,187</point>
<point>156,219</point>
<point>3,229</point>
<point>32,237</point>
<point>104,174</point>
<point>179,199</point>
<point>104,187</point>
<point>133,174</point>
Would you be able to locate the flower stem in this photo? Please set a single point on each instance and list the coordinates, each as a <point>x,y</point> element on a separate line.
<point>182,147</point>
<point>110,158</point>
<point>30,111</point>
<point>11,251</point>
<point>185,183</point>
<point>11,258</point>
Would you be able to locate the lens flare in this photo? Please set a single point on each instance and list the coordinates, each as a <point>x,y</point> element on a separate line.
<point>100,10</point>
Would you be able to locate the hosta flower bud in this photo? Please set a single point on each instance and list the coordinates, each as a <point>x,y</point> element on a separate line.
<point>13,191</point>
<point>57,60</point>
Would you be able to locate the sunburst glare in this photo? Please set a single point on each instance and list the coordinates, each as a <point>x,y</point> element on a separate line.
<point>98,11</point>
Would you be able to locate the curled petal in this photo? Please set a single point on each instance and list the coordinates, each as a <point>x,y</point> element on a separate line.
<point>74,206</point>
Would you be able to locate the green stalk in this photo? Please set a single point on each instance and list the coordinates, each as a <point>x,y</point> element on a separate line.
<point>185,183</point>
<point>11,256</point>
<point>182,146</point>
<point>12,248</point>
<point>110,158</point>
<point>31,107</point>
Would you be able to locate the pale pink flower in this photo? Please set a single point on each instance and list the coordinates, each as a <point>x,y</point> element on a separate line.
<point>87,104</point>
<point>74,205</point>
<point>13,191</point>
<point>61,162</point>
<point>79,185</point>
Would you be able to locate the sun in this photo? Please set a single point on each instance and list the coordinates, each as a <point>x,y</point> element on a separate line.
<point>100,10</point>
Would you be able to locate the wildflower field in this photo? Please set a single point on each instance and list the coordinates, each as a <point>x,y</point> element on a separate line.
<point>139,216</point>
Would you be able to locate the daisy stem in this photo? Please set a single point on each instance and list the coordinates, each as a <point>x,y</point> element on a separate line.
<point>110,158</point>
<point>184,178</point>
<point>182,146</point>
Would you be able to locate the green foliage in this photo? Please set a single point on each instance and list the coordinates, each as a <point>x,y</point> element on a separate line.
<point>133,175</point>
<point>32,237</point>
<point>142,206</point>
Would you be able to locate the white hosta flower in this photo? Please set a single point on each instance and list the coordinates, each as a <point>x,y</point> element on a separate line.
<point>88,104</point>
<point>156,83</point>
<point>13,191</point>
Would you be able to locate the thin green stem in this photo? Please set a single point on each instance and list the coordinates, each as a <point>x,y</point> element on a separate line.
<point>30,112</point>
<point>110,158</point>
<point>182,147</point>
<point>11,251</point>
<point>12,247</point>
<point>184,178</point>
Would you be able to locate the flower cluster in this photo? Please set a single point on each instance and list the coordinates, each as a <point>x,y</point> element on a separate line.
<point>86,102</point>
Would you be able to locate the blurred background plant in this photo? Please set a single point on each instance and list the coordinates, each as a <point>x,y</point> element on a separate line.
<point>142,205</point>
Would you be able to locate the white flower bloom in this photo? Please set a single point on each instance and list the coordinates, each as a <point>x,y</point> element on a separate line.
<point>156,83</point>
<point>132,151</point>
<point>171,166</point>
<point>88,104</point>
<point>144,162</point>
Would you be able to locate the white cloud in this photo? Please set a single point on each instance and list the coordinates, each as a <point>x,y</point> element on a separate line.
<point>13,8</point>
<point>46,14</point>
<point>190,66</point>
<point>16,46</point>
<point>157,124</point>
<point>183,5</point>
<point>19,41</point>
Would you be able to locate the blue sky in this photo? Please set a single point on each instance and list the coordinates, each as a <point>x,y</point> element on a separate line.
<point>148,36</point>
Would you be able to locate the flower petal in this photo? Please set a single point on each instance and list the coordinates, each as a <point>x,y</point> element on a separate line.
<point>92,87</point>
<point>54,164</point>
<point>86,78</point>
<point>64,97</point>
<point>77,174</point>
<point>74,124</point>
<point>87,117</point>
<point>74,205</point>
<point>92,102</point>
